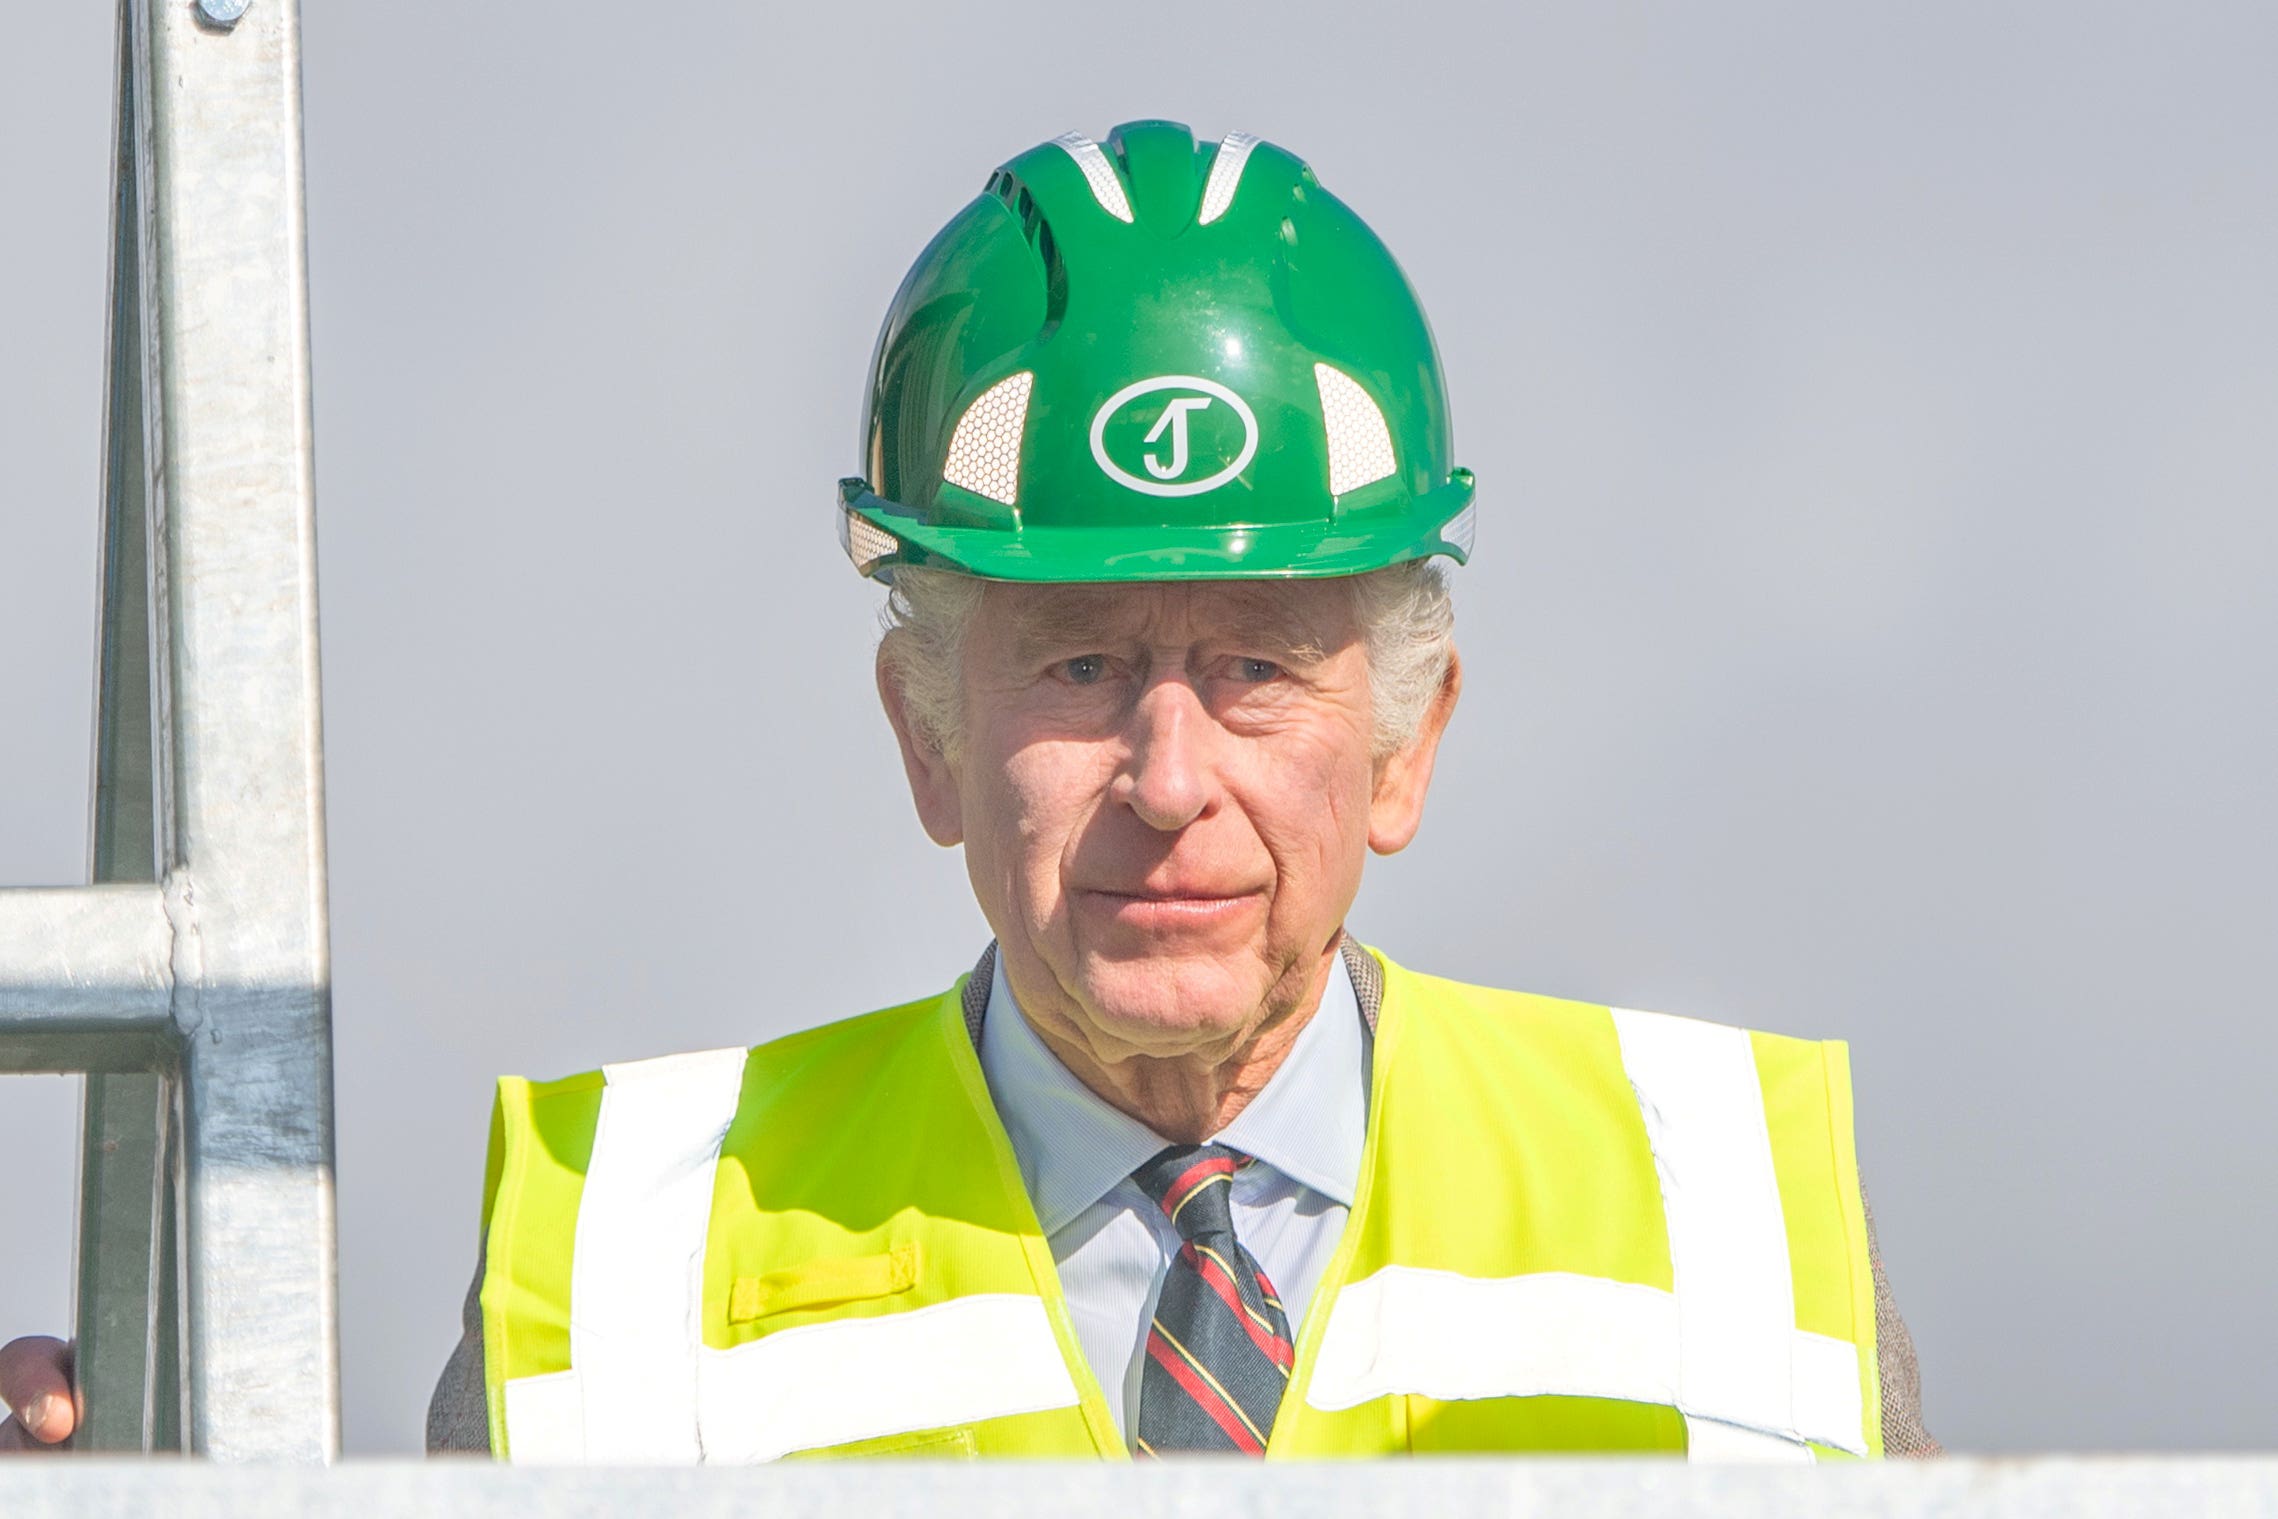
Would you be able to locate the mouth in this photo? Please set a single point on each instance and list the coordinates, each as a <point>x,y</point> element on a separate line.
<point>1177,893</point>
<point>1170,907</point>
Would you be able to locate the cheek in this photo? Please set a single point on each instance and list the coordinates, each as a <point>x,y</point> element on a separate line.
<point>1309,804</point>
<point>1034,799</point>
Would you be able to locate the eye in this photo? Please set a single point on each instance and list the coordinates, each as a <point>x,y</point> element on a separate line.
<point>1084,669</point>
<point>1256,671</point>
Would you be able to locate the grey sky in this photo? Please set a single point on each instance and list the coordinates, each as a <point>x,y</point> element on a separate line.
<point>1873,630</point>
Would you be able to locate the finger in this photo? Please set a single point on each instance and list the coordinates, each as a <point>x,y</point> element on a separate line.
<point>16,1440</point>
<point>35,1381</point>
<point>13,1440</point>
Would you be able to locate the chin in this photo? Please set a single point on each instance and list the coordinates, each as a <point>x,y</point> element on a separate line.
<point>1169,1004</point>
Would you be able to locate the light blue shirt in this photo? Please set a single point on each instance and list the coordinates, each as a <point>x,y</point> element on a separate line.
<point>1112,1244</point>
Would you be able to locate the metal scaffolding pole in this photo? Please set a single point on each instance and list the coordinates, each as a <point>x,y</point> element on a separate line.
<point>191,978</point>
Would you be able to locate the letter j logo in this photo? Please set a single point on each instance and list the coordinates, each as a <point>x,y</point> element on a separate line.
<point>1171,428</point>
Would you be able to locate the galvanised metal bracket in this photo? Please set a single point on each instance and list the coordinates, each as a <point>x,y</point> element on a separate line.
<point>191,979</point>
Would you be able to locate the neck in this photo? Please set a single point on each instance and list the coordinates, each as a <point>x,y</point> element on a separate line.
<point>1188,1098</point>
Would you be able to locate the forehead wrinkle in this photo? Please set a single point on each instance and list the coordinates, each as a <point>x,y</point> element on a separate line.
<point>1275,617</point>
<point>1054,617</point>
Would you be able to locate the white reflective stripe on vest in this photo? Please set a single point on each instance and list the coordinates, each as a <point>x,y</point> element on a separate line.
<point>545,1419</point>
<point>1722,1348</point>
<point>982,1356</point>
<point>1440,1334</point>
<point>637,1270</point>
<point>1703,1105</point>
<point>1715,1441</point>
<point>643,1387</point>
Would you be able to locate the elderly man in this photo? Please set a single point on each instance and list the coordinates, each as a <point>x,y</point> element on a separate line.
<point>1158,474</point>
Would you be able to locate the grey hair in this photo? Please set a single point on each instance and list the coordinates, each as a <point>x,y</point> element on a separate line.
<point>1405,612</point>
<point>1407,618</point>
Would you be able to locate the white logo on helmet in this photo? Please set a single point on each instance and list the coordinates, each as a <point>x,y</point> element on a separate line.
<point>1179,438</point>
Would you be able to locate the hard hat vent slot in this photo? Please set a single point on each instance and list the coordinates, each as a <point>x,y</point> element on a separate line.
<point>1360,445</point>
<point>984,451</point>
<point>1017,199</point>
<point>1033,226</point>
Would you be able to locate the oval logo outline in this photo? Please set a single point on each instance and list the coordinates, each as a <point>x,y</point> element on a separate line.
<point>1138,388</point>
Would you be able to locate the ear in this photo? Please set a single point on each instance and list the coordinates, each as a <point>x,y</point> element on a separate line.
<point>933,784</point>
<point>1396,807</point>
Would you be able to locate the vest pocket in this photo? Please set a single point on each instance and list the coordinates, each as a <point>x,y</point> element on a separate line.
<point>818,1283</point>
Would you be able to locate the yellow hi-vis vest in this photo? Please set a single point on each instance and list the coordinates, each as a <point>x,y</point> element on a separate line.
<point>1576,1229</point>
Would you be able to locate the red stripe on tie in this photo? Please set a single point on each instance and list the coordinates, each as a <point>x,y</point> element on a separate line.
<point>1209,1402</point>
<point>1272,1346</point>
<point>1193,1177</point>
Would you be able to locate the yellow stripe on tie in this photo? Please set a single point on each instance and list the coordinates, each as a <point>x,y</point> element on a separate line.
<point>1216,1386</point>
<point>1203,1249</point>
<point>1196,1189</point>
<point>1255,1317</point>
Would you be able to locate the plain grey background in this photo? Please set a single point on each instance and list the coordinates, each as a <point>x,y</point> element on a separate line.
<point>1872,633</point>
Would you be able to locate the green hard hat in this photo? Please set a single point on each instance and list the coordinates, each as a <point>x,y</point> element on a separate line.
<point>1153,360</point>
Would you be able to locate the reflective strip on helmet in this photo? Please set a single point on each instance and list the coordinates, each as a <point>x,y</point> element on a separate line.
<point>1107,189</point>
<point>1360,446</point>
<point>637,1270</point>
<point>865,542</point>
<point>1462,529</point>
<point>1414,1331</point>
<point>1225,176</point>
<point>971,1358</point>
<point>984,451</point>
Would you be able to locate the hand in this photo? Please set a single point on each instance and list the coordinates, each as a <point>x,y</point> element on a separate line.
<point>35,1381</point>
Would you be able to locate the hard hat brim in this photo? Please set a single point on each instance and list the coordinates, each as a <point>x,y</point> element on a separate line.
<point>1435,523</point>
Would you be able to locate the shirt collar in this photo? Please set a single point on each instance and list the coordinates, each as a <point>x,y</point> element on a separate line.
<point>1309,1122</point>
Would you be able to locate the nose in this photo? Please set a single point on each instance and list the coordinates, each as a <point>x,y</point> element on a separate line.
<point>1168,779</point>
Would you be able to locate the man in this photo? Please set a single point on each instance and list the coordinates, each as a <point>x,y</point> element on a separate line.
<point>1158,466</point>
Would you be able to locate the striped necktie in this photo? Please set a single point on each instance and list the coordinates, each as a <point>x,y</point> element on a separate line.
<point>1219,1350</point>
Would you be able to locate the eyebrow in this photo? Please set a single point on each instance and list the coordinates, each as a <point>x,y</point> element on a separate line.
<point>1067,616</point>
<point>1057,618</point>
<point>1274,628</point>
